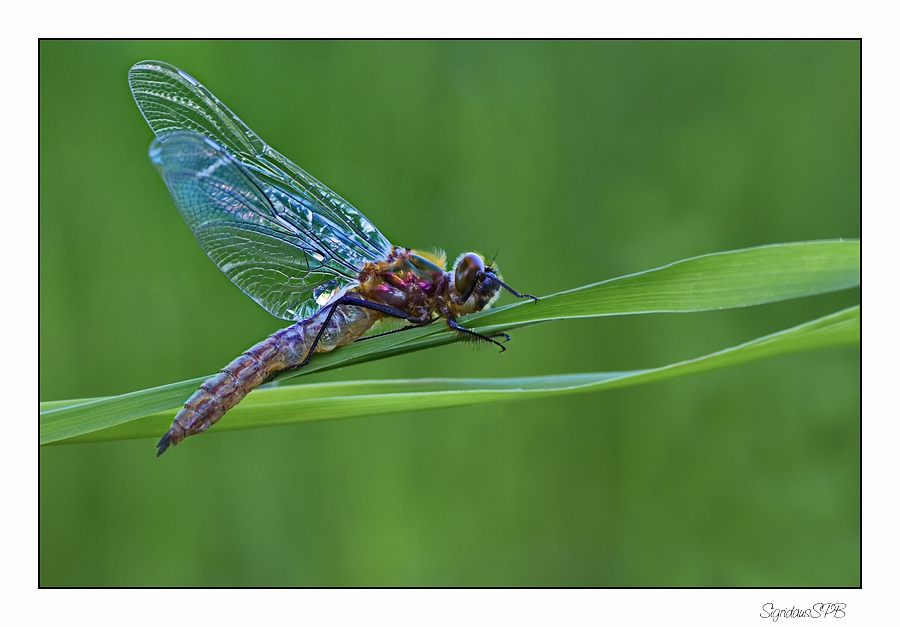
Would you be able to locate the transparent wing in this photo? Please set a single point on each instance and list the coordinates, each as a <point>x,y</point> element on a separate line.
<point>249,229</point>
<point>320,220</point>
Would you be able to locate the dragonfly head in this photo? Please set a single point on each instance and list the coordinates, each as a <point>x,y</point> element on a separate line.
<point>473,286</point>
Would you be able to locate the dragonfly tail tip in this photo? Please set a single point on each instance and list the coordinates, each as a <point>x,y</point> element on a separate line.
<point>162,445</point>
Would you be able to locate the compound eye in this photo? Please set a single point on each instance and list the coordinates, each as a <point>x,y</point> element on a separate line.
<point>468,268</point>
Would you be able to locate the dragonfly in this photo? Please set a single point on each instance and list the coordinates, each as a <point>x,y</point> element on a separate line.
<point>291,244</point>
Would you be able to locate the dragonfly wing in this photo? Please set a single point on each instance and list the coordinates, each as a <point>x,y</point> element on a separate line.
<point>171,100</point>
<point>251,230</point>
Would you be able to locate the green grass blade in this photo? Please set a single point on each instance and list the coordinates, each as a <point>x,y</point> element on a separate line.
<point>731,279</point>
<point>739,278</point>
<point>328,401</point>
<point>64,419</point>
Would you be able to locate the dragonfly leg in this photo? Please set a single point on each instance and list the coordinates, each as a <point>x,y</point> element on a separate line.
<point>475,335</point>
<point>312,347</point>
<point>406,328</point>
<point>500,334</point>
<point>493,277</point>
<point>385,309</point>
<point>356,302</point>
<point>512,291</point>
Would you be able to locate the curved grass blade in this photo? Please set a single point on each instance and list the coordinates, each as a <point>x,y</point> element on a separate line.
<point>328,401</point>
<point>737,278</point>
<point>727,280</point>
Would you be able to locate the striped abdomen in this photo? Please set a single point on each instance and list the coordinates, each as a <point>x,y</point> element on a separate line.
<point>281,350</point>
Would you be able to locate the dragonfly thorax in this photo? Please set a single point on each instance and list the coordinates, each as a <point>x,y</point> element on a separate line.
<point>415,283</point>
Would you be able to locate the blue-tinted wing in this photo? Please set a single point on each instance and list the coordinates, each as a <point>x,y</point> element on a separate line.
<point>250,230</point>
<point>311,219</point>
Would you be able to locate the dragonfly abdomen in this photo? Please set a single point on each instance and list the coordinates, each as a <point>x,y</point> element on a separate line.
<point>223,391</point>
<point>284,349</point>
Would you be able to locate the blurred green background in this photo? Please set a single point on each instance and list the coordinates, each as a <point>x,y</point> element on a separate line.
<point>578,162</point>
